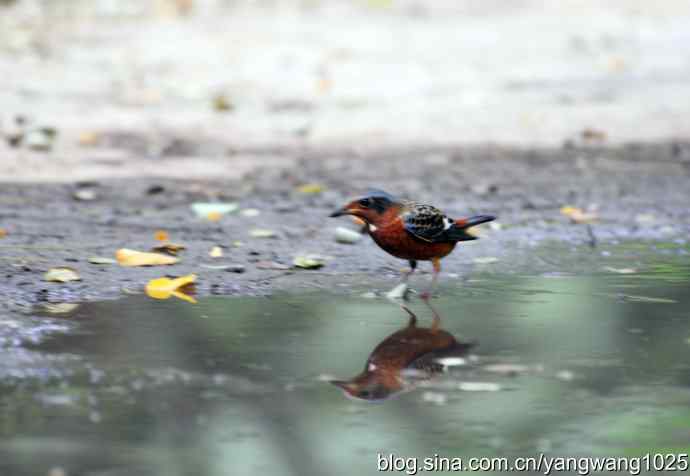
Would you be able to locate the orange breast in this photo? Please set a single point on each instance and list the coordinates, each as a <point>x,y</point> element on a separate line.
<point>394,239</point>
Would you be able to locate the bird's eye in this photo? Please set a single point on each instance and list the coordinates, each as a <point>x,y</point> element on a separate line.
<point>365,202</point>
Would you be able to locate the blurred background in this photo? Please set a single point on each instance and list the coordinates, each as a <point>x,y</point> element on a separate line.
<point>350,73</point>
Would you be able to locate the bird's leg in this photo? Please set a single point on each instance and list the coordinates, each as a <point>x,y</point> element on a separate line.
<point>401,290</point>
<point>426,295</point>
<point>436,323</point>
<point>406,275</point>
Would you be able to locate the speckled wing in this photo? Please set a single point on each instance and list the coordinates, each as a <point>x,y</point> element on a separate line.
<point>425,222</point>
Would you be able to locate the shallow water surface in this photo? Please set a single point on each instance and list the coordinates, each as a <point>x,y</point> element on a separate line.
<point>563,365</point>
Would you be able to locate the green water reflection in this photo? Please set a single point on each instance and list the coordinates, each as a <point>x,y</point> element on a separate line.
<point>232,386</point>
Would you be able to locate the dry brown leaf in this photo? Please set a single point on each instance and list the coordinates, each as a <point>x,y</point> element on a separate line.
<point>127,257</point>
<point>161,235</point>
<point>163,288</point>
<point>593,135</point>
<point>3,233</point>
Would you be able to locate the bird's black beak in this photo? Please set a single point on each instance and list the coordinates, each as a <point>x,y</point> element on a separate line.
<point>339,213</point>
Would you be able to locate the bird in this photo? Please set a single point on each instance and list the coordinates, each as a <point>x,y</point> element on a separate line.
<point>403,359</point>
<point>410,230</point>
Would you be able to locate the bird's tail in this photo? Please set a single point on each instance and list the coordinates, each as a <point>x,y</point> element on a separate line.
<point>459,231</point>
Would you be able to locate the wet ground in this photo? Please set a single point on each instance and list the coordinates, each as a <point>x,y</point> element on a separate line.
<point>581,328</point>
<point>587,365</point>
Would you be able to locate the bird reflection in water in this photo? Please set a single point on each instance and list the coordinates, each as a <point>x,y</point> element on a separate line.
<point>403,359</point>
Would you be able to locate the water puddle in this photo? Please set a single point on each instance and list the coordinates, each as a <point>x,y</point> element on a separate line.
<point>282,385</point>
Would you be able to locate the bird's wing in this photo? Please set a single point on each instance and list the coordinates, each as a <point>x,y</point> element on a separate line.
<point>431,361</point>
<point>425,222</point>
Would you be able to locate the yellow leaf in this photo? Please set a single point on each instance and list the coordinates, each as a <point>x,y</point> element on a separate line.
<point>161,235</point>
<point>163,288</point>
<point>576,215</point>
<point>310,188</point>
<point>184,297</point>
<point>127,257</point>
<point>216,252</point>
<point>61,275</point>
<point>214,216</point>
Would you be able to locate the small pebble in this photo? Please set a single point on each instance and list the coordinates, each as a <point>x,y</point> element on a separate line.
<point>347,236</point>
<point>85,195</point>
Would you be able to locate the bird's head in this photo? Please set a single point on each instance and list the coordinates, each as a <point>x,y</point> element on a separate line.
<point>369,207</point>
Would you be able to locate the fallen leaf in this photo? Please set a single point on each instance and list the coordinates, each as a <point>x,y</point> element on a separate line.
<point>164,288</point>
<point>222,104</point>
<point>60,308</point>
<point>593,135</point>
<point>3,233</point>
<point>213,211</point>
<point>310,188</point>
<point>576,215</point>
<point>127,257</point>
<point>250,212</point>
<point>214,216</point>
<point>169,248</point>
<point>161,235</point>
<point>262,233</point>
<point>485,260</point>
<point>88,138</point>
<point>307,262</point>
<point>216,252</point>
<point>620,270</point>
<point>101,260</point>
<point>61,275</point>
